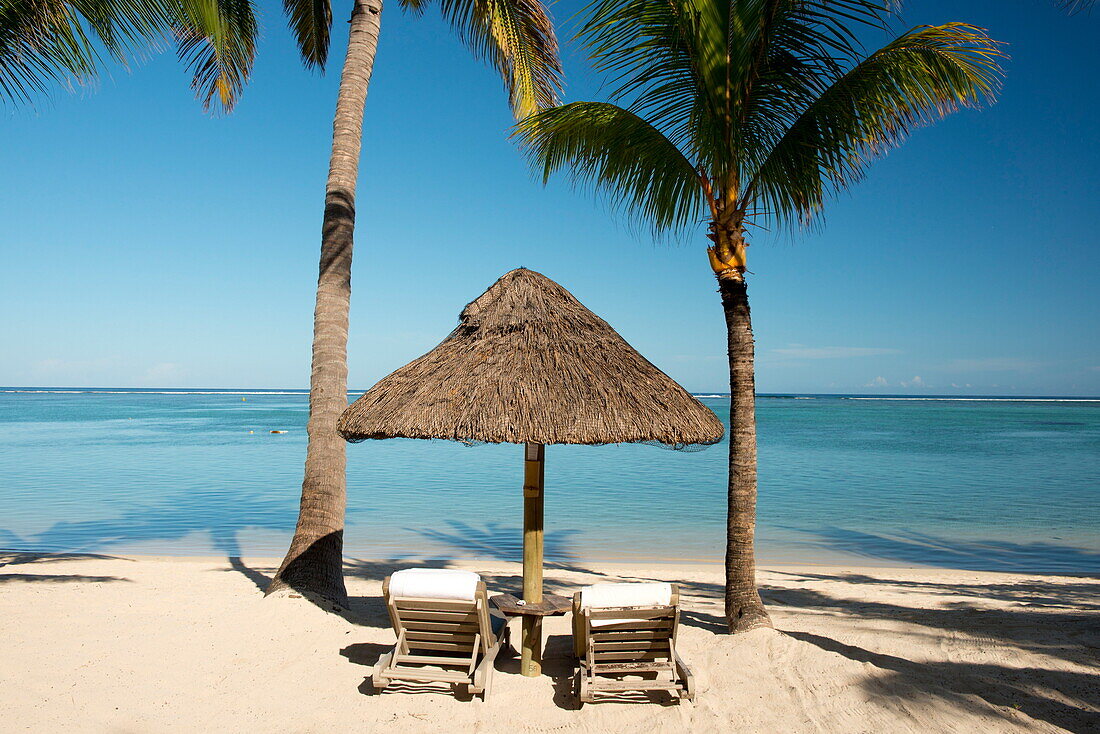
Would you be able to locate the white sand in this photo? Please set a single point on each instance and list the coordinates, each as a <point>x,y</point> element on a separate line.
<point>173,644</point>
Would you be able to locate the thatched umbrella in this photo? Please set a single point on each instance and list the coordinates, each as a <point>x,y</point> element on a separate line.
<point>529,364</point>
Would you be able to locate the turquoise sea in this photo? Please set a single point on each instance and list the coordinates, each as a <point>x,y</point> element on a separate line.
<point>984,484</point>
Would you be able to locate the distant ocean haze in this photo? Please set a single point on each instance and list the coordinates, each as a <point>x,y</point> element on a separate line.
<point>984,482</point>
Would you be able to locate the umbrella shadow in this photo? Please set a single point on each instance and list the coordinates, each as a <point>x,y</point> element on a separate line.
<point>379,570</point>
<point>370,611</point>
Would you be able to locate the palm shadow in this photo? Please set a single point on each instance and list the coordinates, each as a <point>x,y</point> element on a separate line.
<point>1000,686</point>
<point>29,578</point>
<point>1071,635</point>
<point>1031,592</point>
<point>979,555</point>
<point>1052,618</point>
<point>220,515</point>
<point>20,558</point>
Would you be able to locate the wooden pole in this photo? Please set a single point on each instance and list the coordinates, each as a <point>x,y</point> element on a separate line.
<point>531,642</point>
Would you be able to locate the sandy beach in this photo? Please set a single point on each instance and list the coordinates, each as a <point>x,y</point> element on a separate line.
<point>144,644</point>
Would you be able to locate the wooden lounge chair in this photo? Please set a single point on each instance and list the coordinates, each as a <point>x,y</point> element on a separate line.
<point>635,637</point>
<point>445,632</point>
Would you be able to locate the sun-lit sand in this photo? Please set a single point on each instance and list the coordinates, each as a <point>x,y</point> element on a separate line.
<point>110,644</point>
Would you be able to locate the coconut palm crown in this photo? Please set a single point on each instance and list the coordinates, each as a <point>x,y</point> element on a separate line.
<point>44,43</point>
<point>47,42</point>
<point>737,112</point>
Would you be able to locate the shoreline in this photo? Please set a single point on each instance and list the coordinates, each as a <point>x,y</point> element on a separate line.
<point>836,562</point>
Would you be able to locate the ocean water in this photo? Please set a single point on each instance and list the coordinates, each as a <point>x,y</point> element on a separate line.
<point>992,484</point>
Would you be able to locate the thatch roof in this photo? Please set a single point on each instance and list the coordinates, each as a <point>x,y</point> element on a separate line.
<point>529,363</point>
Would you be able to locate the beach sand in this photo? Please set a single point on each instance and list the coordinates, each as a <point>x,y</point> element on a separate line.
<point>109,644</point>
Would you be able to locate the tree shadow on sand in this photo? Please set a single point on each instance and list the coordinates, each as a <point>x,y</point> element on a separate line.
<point>1077,593</point>
<point>1067,699</point>
<point>21,558</point>
<point>1044,617</point>
<point>219,514</point>
<point>1073,636</point>
<point>971,555</point>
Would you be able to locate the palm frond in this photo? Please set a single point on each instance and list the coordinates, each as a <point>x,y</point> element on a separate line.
<point>658,55</point>
<point>782,55</point>
<point>723,79</point>
<point>217,42</point>
<point>517,38</point>
<point>311,23</point>
<point>49,42</point>
<point>921,76</point>
<point>124,26</point>
<point>615,152</point>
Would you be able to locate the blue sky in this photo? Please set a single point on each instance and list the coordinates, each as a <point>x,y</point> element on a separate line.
<point>145,244</point>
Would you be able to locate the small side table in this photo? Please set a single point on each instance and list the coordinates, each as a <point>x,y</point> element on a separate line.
<point>532,614</point>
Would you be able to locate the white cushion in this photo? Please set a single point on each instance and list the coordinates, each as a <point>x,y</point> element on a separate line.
<point>434,583</point>
<point>602,596</point>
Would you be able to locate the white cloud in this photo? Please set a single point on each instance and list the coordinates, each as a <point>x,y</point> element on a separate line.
<point>915,382</point>
<point>879,381</point>
<point>798,351</point>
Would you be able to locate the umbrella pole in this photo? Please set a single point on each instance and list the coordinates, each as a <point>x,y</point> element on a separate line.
<point>531,642</point>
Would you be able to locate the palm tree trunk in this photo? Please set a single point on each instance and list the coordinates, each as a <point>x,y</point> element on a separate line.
<point>744,609</point>
<point>314,564</point>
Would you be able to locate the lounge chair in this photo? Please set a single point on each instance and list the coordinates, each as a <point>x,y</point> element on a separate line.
<point>445,632</point>
<point>624,630</point>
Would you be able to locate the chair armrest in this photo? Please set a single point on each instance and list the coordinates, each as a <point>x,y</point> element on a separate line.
<point>578,627</point>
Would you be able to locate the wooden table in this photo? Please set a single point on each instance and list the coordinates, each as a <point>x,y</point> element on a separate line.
<point>532,614</point>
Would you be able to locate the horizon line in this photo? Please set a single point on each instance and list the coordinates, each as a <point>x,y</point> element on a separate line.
<point>31,389</point>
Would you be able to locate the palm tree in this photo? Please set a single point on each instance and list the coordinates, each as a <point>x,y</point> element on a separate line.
<point>516,37</point>
<point>733,112</point>
<point>47,40</point>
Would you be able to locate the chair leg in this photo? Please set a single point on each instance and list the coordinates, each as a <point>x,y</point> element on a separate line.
<point>685,676</point>
<point>488,684</point>
<point>378,679</point>
<point>483,673</point>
